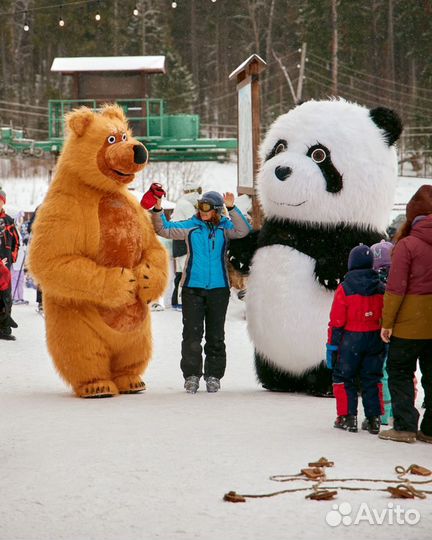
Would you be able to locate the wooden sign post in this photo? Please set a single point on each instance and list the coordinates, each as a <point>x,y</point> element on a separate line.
<point>248,102</point>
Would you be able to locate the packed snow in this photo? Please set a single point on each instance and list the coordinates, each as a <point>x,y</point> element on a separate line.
<point>157,465</point>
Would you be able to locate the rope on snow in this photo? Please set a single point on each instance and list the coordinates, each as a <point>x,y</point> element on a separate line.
<point>316,472</point>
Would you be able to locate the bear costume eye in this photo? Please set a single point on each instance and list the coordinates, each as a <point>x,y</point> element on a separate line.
<point>124,137</point>
<point>318,155</point>
<point>111,139</point>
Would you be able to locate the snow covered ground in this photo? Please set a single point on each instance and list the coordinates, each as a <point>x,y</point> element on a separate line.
<point>157,465</point>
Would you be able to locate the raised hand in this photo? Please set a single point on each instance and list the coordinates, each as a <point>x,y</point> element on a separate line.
<point>229,199</point>
<point>152,197</point>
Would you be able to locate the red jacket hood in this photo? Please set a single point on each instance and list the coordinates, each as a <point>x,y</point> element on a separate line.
<point>423,230</point>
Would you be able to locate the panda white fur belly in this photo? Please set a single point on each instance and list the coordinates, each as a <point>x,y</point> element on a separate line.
<point>326,183</point>
<point>285,316</point>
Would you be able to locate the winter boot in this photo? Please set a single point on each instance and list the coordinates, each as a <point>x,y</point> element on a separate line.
<point>213,384</point>
<point>425,438</point>
<point>191,384</point>
<point>7,337</point>
<point>398,436</point>
<point>372,424</point>
<point>348,423</point>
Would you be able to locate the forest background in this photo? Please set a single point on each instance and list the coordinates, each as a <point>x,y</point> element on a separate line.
<point>376,52</point>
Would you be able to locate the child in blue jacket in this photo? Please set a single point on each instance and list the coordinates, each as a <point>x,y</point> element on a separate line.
<point>205,283</point>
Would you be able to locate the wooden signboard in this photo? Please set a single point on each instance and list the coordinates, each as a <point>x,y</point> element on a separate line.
<point>249,136</point>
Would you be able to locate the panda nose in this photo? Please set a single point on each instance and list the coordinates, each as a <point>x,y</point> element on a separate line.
<point>140,154</point>
<point>282,173</point>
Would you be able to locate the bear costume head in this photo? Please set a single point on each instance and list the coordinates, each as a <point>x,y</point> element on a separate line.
<point>330,162</point>
<point>106,135</point>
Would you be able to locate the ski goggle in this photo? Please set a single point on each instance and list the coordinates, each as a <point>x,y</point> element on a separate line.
<point>205,206</point>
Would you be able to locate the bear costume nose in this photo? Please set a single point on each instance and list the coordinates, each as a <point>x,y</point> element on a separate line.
<point>282,173</point>
<point>140,154</point>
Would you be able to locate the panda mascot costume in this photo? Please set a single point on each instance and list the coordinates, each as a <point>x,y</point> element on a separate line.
<point>326,183</point>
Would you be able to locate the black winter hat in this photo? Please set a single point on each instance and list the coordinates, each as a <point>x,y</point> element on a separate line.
<point>360,258</point>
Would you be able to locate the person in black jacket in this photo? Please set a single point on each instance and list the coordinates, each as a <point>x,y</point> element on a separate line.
<point>9,245</point>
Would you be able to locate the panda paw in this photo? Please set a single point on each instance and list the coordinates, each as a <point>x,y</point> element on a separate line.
<point>329,283</point>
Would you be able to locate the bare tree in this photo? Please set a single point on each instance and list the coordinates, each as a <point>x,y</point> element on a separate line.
<point>334,6</point>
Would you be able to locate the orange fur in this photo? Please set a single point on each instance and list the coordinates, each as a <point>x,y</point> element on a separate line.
<point>97,259</point>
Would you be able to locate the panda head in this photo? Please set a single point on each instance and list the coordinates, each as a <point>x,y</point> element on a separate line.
<point>330,162</point>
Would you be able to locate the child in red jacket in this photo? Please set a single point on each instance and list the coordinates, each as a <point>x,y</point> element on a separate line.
<point>6,321</point>
<point>354,343</point>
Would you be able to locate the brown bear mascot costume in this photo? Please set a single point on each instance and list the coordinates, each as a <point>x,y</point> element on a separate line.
<point>97,259</point>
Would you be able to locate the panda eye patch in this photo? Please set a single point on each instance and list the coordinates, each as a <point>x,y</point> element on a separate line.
<point>321,155</point>
<point>279,147</point>
<point>318,155</point>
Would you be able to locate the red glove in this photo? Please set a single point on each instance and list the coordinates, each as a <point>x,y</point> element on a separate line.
<point>156,191</point>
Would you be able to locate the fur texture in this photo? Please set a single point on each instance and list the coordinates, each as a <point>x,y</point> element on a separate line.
<point>326,184</point>
<point>97,259</point>
<point>321,243</point>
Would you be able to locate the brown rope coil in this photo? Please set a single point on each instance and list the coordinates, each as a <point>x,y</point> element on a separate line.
<point>316,473</point>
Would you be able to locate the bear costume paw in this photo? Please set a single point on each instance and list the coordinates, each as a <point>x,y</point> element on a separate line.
<point>119,288</point>
<point>130,384</point>
<point>97,389</point>
<point>151,282</point>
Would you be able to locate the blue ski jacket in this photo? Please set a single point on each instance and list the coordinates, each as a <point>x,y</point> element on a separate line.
<point>206,244</point>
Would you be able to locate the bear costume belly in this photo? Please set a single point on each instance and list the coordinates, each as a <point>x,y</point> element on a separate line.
<point>119,231</point>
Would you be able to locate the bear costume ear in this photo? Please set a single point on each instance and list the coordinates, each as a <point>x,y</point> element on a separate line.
<point>389,121</point>
<point>79,120</point>
<point>114,111</point>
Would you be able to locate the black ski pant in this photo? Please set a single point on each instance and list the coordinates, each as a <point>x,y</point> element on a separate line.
<point>5,312</point>
<point>39,296</point>
<point>204,308</point>
<point>401,368</point>
<point>175,300</point>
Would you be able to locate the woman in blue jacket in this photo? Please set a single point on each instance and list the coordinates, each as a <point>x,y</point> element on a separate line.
<point>205,284</point>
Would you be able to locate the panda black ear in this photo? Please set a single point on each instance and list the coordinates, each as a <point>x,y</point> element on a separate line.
<point>389,121</point>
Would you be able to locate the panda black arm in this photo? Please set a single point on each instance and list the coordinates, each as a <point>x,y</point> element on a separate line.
<point>241,251</point>
<point>330,269</point>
